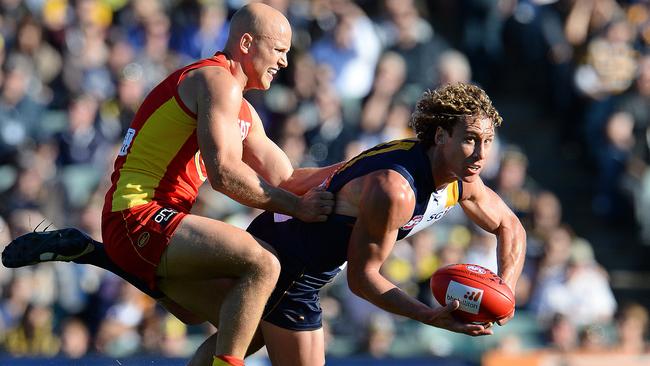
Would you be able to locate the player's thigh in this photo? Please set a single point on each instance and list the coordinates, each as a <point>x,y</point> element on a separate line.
<point>201,298</point>
<point>294,348</point>
<point>203,248</point>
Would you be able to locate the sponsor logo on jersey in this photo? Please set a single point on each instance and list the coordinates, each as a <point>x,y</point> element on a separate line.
<point>128,138</point>
<point>143,239</point>
<point>468,296</point>
<point>245,127</point>
<point>414,221</point>
<point>164,216</point>
<point>438,215</point>
<point>200,166</point>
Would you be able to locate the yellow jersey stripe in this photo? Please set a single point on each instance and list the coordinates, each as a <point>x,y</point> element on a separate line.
<point>153,148</point>
<point>392,146</point>
<point>452,194</point>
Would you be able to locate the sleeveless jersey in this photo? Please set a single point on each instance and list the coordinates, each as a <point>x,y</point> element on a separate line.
<point>312,254</point>
<point>160,159</point>
<point>323,246</point>
<point>407,157</point>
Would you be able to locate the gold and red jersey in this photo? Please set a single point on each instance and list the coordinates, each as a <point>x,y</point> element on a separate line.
<point>159,159</point>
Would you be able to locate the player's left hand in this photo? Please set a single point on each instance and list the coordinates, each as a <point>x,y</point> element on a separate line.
<point>315,205</point>
<point>511,284</point>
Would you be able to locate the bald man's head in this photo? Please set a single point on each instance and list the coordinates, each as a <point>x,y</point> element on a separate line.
<point>258,43</point>
<point>257,19</point>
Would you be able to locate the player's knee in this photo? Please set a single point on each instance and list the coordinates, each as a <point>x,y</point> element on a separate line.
<point>267,266</point>
<point>272,265</point>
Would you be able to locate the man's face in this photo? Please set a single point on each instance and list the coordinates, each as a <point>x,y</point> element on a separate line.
<point>268,56</point>
<point>466,149</point>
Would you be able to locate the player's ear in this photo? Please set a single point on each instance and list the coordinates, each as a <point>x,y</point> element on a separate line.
<point>245,43</point>
<point>440,136</point>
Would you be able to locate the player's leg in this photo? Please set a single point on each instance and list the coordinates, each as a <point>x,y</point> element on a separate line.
<point>214,291</point>
<point>72,245</point>
<point>42,246</point>
<point>206,249</point>
<point>66,245</point>
<point>294,348</point>
<point>204,354</point>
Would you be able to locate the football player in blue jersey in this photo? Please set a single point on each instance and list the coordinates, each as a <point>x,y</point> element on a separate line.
<point>382,195</point>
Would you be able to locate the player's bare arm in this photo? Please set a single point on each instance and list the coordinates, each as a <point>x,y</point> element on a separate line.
<point>304,179</point>
<point>386,203</point>
<point>219,137</point>
<point>263,155</point>
<point>483,206</point>
<point>268,160</point>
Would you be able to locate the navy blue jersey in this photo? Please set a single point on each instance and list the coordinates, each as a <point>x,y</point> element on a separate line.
<point>407,157</point>
<point>311,254</point>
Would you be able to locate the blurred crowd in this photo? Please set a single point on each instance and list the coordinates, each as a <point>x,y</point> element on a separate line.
<point>74,73</point>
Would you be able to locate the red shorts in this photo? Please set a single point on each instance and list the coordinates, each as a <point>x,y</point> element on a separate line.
<point>136,238</point>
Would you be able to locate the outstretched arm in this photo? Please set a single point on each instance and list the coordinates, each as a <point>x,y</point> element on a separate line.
<point>488,210</point>
<point>387,202</point>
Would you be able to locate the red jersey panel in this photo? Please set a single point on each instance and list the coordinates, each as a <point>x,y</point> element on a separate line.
<point>159,159</point>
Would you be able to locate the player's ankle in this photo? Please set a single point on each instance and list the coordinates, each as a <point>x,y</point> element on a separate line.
<point>227,360</point>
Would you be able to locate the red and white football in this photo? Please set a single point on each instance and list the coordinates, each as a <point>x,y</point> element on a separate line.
<point>483,295</point>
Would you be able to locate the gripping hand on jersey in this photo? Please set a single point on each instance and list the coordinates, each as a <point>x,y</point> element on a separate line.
<point>314,205</point>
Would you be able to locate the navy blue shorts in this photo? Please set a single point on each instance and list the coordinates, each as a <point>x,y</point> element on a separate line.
<point>310,256</point>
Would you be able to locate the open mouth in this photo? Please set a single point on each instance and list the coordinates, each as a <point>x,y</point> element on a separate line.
<point>473,168</point>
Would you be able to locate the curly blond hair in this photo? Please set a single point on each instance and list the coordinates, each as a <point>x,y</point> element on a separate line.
<point>447,105</point>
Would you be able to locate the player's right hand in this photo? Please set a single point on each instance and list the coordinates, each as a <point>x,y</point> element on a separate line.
<point>442,318</point>
<point>315,205</point>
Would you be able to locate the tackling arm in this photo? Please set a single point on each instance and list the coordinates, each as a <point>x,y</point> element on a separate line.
<point>218,103</point>
<point>268,160</point>
<point>304,179</point>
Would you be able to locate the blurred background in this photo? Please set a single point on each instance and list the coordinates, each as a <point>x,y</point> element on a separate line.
<point>570,77</point>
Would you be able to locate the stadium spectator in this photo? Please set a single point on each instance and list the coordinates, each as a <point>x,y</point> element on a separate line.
<point>30,42</point>
<point>174,338</point>
<point>331,133</point>
<point>613,194</point>
<point>200,38</point>
<point>513,182</point>
<point>19,108</point>
<point>75,338</point>
<point>566,274</point>
<point>453,67</point>
<point>33,335</point>
<point>379,337</point>
<point>351,49</point>
<point>562,334</point>
<point>416,42</point>
<point>592,339</point>
<point>82,142</point>
<point>545,216</point>
<point>632,328</point>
